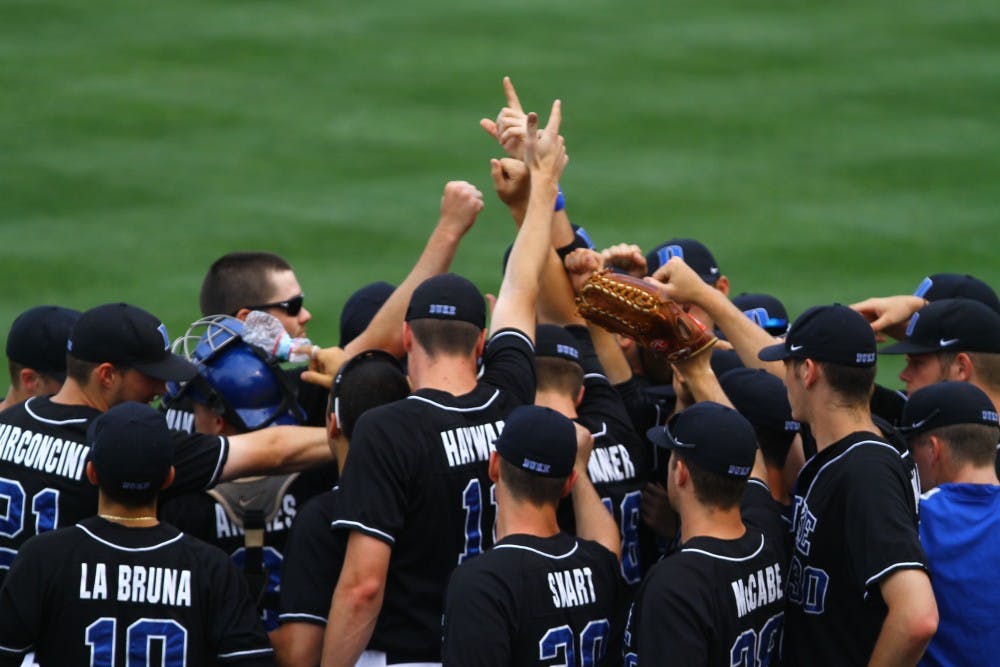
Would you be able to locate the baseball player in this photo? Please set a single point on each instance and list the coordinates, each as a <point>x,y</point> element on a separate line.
<point>717,599</point>
<point>122,587</point>
<point>952,428</point>
<point>117,353</point>
<point>857,586</point>
<point>36,352</point>
<point>539,594</point>
<point>416,490</point>
<point>240,389</point>
<point>571,381</point>
<point>314,553</point>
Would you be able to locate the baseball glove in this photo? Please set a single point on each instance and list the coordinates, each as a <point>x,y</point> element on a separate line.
<point>631,307</point>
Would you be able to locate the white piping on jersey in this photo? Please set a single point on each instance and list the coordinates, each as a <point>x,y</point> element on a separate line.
<point>540,553</point>
<point>512,333</point>
<point>312,617</point>
<point>237,654</point>
<point>603,431</point>
<point>927,496</point>
<point>19,651</point>
<point>732,560</point>
<point>121,548</point>
<point>842,455</point>
<point>363,528</point>
<point>758,482</point>
<point>453,409</point>
<point>897,566</point>
<point>596,376</point>
<point>223,455</point>
<point>36,417</point>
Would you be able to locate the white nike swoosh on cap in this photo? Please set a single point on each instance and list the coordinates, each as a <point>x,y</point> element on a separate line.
<point>946,343</point>
<point>920,423</point>
<point>795,348</point>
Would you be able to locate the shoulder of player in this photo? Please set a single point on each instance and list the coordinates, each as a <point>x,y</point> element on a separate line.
<point>52,543</point>
<point>494,572</point>
<point>510,336</point>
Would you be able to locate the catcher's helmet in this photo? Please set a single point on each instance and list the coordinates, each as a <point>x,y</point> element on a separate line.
<point>240,381</point>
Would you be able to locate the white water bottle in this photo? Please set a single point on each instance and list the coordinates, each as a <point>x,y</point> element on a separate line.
<point>266,331</point>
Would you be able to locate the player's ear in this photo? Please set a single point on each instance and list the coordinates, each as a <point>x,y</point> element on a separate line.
<point>722,284</point>
<point>579,396</point>
<point>494,467</point>
<point>961,368</point>
<point>241,314</point>
<point>104,373</point>
<point>809,371</point>
<point>170,478</point>
<point>91,473</point>
<point>481,344</point>
<point>568,486</point>
<point>407,337</point>
<point>27,378</point>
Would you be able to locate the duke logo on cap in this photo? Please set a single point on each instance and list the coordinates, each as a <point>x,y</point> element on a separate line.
<point>834,334</point>
<point>538,440</point>
<point>713,436</point>
<point>448,297</point>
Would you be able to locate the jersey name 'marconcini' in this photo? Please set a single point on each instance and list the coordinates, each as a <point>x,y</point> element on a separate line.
<point>136,583</point>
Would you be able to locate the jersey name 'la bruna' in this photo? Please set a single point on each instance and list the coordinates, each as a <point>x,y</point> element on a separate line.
<point>712,602</point>
<point>43,454</point>
<point>535,601</point>
<point>105,595</point>
<point>418,479</point>
<point>854,524</point>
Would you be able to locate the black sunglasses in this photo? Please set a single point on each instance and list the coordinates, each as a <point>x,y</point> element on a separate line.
<point>291,306</point>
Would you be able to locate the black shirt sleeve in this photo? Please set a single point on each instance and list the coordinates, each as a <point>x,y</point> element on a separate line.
<point>377,477</point>
<point>509,364</point>
<point>198,460</point>
<point>881,531</point>
<point>21,601</point>
<point>314,555</point>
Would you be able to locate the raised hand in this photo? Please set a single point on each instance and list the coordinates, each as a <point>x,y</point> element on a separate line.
<point>512,183</point>
<point>679,282</point>
<point>509,127</point>
<point>580,265</point>
<point>627,257</point>
<point>889,314</point>
<point>545,150</point>
<point>460,204</point>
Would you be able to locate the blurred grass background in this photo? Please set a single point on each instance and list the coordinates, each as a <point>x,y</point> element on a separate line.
<point>824,151</point>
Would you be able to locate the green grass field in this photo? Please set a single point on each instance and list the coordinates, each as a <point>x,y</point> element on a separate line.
<point>824,151</point>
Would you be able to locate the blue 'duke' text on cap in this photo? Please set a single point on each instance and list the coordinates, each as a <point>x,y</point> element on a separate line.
<point>542,468</point>
<point>440,309</point>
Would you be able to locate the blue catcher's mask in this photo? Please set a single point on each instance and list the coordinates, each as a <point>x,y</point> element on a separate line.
<point>239,381</point>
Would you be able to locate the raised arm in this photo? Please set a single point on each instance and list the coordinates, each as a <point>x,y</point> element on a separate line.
<point>678,281</point>
<point>276,450</point>
<point>593,520</point>
<point>545,157</point>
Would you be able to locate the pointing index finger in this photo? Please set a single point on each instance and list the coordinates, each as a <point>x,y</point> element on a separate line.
<point>555,119</point>
<point>508,89</point>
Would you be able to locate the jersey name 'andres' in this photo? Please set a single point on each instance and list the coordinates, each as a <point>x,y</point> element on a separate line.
<point>469,444</point>
<point>39,451</point>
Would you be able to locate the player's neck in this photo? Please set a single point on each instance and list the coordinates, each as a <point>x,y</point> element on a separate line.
<point>518,518</point>
<point>72,393</point>
<point>970,474</point>
<point>703,521</point>
<point>830,424</point>
<point>142,516</point>
<point>453,374</point>
<point>564,405</point>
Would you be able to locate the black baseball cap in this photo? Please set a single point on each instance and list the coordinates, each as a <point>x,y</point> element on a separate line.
<point>946,404</point>
<point>765,310</point>
<point>448,297</point>
<point>694,253</point>
<point>131,448</point>
<point>834,334</point>
<point>539,440</point>
<point>360,309</point>
<point>125,335</point>
<point>957,286</point>
<point>760,397</point>
<point>552,340</point>
<point>959,325</point>
<point>38,337</point>
<point>713,436</point>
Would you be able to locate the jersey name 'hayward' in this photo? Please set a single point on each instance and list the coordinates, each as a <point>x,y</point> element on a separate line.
<point>467,444</point>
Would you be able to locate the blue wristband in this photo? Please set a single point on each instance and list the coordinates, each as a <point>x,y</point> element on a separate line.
<point>560,201</point>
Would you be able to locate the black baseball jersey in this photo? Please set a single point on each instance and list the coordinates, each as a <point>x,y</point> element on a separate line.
<point>712,602</point>
<point>314,555</point>
<point>418,479</point>
<point>534,601</point>
<point>43,453</point>
<point>201,516</point>
<point>760,510</point>
<point>854,524</point>
<point>104,595</point>
<point>619,465</point>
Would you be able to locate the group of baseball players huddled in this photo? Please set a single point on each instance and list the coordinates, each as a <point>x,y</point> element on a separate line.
<point>464,481</point>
